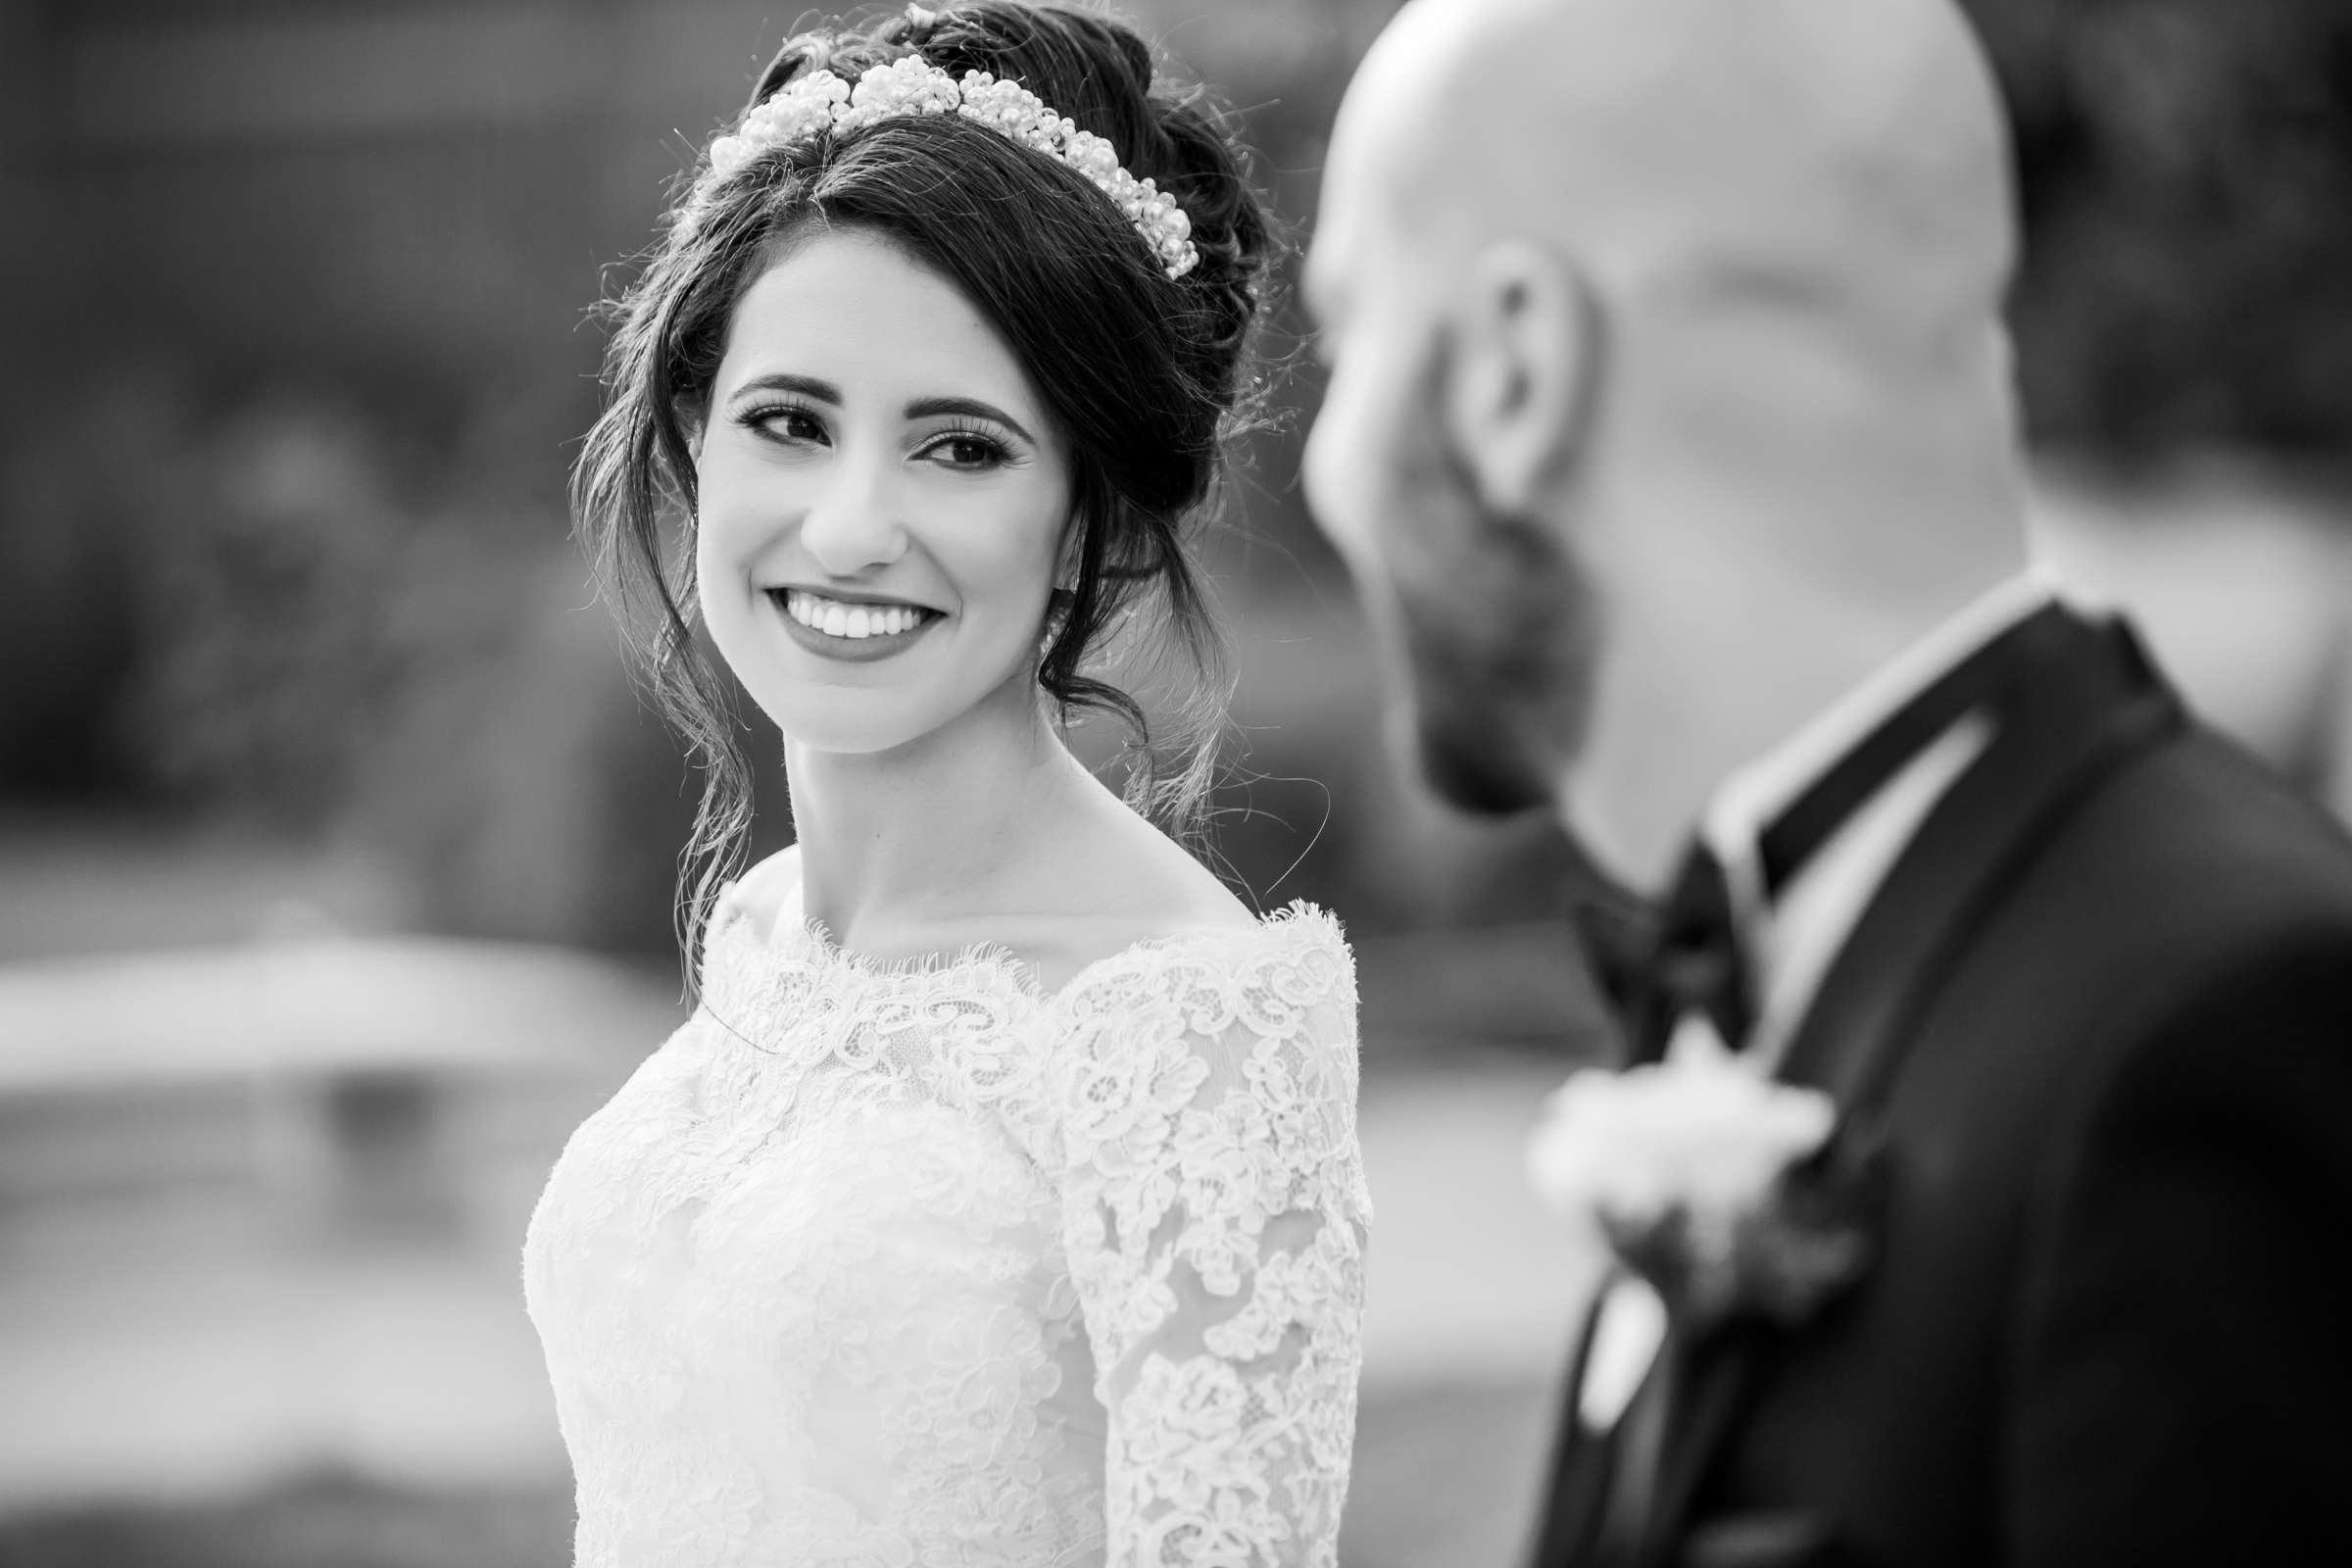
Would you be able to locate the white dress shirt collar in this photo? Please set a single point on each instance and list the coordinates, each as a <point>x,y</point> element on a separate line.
<point>1790,940</point>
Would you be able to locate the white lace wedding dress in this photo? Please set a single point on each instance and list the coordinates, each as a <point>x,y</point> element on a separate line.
<point>922,1265</point>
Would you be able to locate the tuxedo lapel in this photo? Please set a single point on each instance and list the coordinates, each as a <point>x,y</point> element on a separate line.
<point>2092,701</point>
<point>2075,714</point>
<point>1583,1465</point>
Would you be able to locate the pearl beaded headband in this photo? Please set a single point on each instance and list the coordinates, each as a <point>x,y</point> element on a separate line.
<point>912,86</point>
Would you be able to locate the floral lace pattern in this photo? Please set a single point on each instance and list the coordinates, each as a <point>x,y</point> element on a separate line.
<point>924,1265</point>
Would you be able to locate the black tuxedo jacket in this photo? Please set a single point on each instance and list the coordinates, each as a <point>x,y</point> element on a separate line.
<point>2097,1026</point>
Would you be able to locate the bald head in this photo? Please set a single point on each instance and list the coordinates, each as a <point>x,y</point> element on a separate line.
<point>1661,332</point>
<point>1786,148</point>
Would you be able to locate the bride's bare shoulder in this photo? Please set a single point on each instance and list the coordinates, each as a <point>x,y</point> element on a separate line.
<point>1129,889</point>
<point>766,890</point>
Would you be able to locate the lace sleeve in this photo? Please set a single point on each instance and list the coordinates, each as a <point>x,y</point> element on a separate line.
<point>1214,1213</point>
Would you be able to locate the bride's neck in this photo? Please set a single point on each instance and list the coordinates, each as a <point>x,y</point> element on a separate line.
<point>930,831</point>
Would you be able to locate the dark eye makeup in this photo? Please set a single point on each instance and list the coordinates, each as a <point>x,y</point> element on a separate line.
<point>966,447</point>
<point>783,420</point>
<point>960,445</point>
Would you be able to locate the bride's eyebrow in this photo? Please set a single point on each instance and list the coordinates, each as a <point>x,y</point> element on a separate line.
<point>969,408</point>
<point>808,386</point>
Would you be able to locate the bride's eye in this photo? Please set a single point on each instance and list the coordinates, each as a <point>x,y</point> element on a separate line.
<point>970,450</point>
<point>792,422</point>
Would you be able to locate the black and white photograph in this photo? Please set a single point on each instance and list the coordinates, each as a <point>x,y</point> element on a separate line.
<point>1175,784</point>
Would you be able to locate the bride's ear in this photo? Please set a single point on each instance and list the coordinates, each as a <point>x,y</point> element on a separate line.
<point>1522,361</point>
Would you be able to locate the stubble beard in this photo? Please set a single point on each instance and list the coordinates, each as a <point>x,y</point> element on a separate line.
<point>1499,660</point>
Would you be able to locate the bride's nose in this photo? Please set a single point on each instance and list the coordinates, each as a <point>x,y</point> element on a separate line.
<point>853,524</point>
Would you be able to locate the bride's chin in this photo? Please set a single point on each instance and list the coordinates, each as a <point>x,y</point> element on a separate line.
<point>899,718</point>
<point>812,735</point>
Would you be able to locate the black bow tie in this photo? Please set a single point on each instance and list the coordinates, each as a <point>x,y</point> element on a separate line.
<point>1685,955</point>
<point>1655,964</point>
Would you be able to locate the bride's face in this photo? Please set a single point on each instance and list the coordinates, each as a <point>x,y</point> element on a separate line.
<point>881,502</point>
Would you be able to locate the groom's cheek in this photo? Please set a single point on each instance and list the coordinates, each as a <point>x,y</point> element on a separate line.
<point>1354,466</point>
<point>1333,494</point>
<point>1328,501</point>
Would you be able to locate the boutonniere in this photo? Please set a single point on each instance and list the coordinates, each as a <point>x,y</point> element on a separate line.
<point>1706,1177</point>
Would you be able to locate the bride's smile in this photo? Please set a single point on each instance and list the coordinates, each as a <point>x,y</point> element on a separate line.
<point>847,627</point>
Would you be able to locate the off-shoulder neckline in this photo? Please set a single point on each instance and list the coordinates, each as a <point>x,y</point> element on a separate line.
<point>994,962</point>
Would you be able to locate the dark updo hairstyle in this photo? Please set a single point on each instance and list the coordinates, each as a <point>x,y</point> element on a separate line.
<point>1144,375</point>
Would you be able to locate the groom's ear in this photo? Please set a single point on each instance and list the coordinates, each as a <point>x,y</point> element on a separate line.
<point>1521,371</point>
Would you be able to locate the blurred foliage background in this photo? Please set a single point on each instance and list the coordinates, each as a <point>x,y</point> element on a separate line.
<point>292,636</point>
<point>300,354</point>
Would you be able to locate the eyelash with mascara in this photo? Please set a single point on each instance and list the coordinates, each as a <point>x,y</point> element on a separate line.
<point>755,415</point>
<point>999,454</point>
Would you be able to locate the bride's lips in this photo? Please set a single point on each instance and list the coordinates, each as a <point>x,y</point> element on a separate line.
<point>856,628</point>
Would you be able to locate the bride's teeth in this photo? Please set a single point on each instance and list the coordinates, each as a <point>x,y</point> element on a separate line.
<point>850,622</point>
